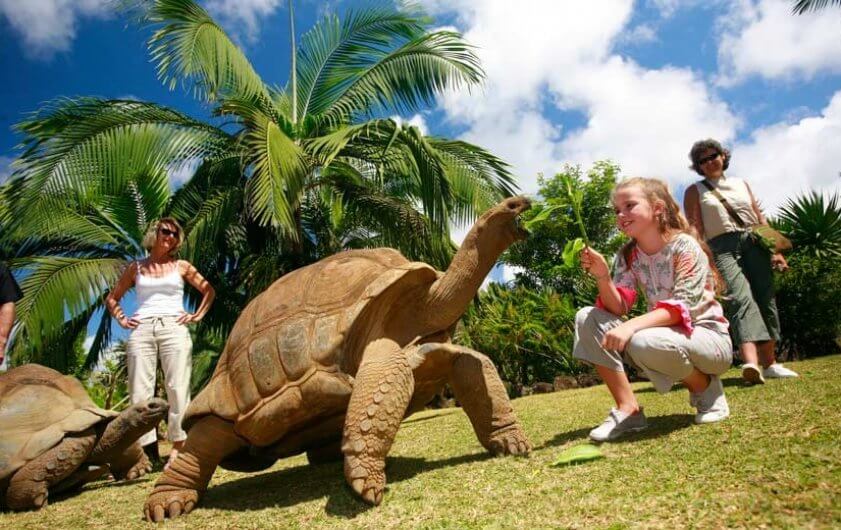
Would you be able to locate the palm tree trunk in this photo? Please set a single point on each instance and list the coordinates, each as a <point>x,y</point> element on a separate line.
<point>294,76</point>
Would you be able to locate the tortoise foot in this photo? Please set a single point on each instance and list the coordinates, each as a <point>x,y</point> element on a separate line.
<point>510,441</point>
<point>140,468</point>
<point>163,503</point>
<point>366,476</point>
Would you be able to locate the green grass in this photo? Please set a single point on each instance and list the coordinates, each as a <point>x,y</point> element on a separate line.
<point>775,463</point>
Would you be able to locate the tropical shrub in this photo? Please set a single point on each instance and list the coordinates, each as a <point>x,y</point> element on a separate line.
<point>528,333</point>
<point>807,299</point>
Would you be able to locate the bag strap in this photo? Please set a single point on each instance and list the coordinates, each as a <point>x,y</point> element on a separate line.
<point>717,194</point>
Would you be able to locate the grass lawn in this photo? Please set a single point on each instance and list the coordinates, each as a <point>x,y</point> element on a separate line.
<point>775,463</point>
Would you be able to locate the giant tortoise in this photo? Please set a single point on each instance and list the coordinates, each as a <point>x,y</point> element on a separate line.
<point>331,357</point>
<point>53,437</point>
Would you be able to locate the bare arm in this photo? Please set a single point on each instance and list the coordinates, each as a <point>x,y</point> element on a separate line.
<point>112,301</point>
<point>7,319</point>
<point>594,263</point>
<point>203,286</point>
<point>692,207</point>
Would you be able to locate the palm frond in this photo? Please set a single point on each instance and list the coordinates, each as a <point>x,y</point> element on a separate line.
<point>328,46</point>
<point>60,288</point>
<point>403,79</point>
<point>278,173</point>
<point>188,46</point>
<point>813,223</point>
<point>804,6</point>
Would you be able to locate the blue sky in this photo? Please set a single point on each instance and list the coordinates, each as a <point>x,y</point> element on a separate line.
<point>567,82</point>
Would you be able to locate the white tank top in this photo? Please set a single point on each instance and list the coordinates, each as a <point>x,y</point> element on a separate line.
<point>161,296</point>
<point>716,219</point>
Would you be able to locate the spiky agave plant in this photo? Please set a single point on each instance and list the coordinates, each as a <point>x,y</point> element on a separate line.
<point>812,222</point>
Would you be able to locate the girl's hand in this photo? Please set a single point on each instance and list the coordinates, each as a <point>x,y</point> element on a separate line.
<point>617,338</point>
<point>779,263</point>
<point>128,323</point>
<point>188,318</point>
<point>594,263</point>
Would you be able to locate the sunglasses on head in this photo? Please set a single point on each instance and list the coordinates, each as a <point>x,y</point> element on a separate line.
<point>167,232</point>
<point>708,158</point>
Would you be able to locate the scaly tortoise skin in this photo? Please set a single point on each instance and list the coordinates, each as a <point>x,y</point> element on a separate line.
<point>55,438</point>
<point>331,357</point>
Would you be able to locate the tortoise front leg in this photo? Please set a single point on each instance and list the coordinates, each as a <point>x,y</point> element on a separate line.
<point>381,393</point>
<point>178,490</point>
<point>29,486</point>
<point>132,463</point>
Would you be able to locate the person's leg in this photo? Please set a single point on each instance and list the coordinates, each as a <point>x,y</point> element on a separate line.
<point>175,347</point>
<point>590,326</point>
<point>743,313</point>
<point>142,363</point>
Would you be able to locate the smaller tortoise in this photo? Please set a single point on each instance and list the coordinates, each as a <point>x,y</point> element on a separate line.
<point>55,438</point>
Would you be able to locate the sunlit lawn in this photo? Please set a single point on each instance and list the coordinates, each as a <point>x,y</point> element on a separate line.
<point>775,463</point>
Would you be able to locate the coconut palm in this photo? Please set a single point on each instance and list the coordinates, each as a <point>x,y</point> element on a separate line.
<point>813,223</point>
<point>283,176</point>
<point>803,6</point>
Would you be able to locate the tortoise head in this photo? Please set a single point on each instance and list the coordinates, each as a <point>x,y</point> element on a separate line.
<point>503,221</point>
<point>130,425</point>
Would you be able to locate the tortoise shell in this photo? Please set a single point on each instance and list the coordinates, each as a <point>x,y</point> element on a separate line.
<point>38,407</point>
<point>292,354</point>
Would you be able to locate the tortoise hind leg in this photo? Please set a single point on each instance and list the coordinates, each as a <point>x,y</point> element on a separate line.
<point>381,393</point>
<point>480,391</point>
<point>210,440</point>
<point>29,486</point>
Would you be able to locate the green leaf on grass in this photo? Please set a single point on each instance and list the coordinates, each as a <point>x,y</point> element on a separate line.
<point>578,454</point>
<point>572,251</point>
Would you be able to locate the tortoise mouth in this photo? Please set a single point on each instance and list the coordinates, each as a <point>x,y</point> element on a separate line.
<point>154,410</point>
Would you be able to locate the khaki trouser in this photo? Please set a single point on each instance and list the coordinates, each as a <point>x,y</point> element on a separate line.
<point>161,337</point>
<point>665,355</point>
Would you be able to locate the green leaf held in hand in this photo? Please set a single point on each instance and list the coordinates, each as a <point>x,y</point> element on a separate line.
<point>540,217</point>
<point>572,252</point>
<point>578,454</point>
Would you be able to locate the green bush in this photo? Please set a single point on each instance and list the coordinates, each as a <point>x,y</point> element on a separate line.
<point>527,333</point>
<point>808,295</point>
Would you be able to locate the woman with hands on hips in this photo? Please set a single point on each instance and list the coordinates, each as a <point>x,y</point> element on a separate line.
<point>683,336</point>
<point>159,326</point>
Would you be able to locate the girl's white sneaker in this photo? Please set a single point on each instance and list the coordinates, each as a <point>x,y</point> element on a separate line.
<point>751,374</point>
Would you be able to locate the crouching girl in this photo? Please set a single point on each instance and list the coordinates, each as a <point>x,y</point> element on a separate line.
<point>683,336</point>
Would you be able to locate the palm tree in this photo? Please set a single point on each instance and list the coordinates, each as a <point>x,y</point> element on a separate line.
<point>813,223</point>
<point>283,176</point>
<point>803,6</point>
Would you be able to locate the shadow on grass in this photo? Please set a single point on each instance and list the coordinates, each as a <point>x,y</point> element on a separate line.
<point>288,487</point>
<point>657,426</point>
<point>727,383</point>
<point>450,410</point>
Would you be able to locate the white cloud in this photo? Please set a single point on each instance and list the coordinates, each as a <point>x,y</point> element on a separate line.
<point>783,160</point>
<point>415,121</point>
<point>641,34</point>
<point>763,38</point>
<point>49,26</point>
<point>643,119</point>
<point>181,173</point>
<point>243,16</point>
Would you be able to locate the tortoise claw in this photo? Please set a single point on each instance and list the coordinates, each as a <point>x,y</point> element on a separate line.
<point>366,478</point>
<point>169,503</point>
<point>511,441</point>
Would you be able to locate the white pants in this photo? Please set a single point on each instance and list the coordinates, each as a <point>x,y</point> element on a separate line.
<point>665,354</point>
<point>161,337</point>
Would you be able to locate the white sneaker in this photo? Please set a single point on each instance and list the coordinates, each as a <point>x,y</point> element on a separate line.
<point>751,374</point>
<point>778,371</point>
<point>711,404</point>
<point>618,423</point>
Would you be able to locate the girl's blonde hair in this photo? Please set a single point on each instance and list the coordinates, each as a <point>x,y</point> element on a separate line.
<point>671,220</point>
<point>152,234</point>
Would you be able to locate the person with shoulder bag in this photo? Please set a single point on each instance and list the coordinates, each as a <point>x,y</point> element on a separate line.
<point>724,212</point>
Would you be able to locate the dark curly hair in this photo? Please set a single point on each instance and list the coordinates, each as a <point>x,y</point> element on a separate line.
<point>700,147</point>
